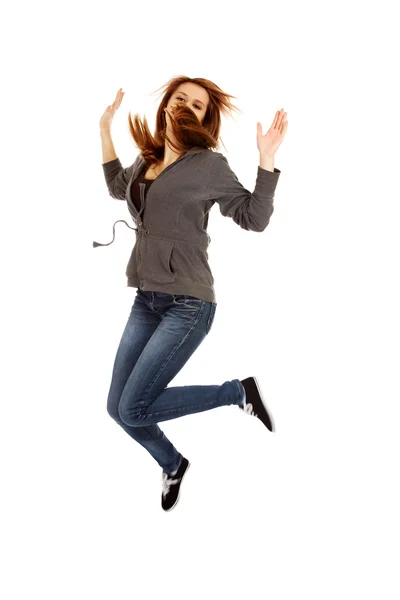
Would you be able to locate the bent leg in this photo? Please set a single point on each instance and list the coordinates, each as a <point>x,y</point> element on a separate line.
<point>141,325</point>
<point>146,399</point>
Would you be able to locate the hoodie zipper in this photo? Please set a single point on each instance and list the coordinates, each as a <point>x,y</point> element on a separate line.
<point>142,187</point>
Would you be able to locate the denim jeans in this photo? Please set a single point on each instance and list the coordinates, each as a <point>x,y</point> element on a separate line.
<point>161,334</point>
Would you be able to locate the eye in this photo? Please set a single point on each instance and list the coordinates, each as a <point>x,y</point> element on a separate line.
<point>197,106</point>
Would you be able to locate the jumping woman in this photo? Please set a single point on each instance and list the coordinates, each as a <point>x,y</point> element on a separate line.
<point>169,189</point>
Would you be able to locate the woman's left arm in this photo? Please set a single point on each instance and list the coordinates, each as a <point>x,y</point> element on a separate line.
<point>267,162</point>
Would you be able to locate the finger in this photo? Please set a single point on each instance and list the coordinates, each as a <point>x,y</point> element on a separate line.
<point>116,104</point>
<point>282,115</point>
<point>277,120</point>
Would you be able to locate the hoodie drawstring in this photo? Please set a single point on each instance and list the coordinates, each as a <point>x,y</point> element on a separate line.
<point>95,244</point>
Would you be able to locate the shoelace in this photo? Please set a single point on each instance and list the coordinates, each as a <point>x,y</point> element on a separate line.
<point>167,482</point>
<point>248,408</point>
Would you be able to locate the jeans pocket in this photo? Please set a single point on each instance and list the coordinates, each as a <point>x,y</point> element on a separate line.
<point>211,317</point>
<point>185,300</point>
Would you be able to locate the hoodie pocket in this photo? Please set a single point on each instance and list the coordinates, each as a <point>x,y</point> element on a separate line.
<point>190,262</point>
<point>155,259</point>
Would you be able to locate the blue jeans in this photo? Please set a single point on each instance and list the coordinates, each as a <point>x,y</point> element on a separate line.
<point>161,334</point>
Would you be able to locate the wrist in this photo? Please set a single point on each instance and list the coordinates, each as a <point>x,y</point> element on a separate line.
<point>267,162</point>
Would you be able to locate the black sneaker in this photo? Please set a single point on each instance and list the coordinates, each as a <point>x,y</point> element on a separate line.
<point>255,404</point>
<point>171,485</point>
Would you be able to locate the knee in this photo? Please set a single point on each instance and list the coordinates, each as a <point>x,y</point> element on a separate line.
<point>129,416</point>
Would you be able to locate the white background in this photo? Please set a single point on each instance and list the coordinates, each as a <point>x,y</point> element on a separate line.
<point>310,306</point>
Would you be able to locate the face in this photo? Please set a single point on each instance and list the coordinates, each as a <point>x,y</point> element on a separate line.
<point>194,96</point>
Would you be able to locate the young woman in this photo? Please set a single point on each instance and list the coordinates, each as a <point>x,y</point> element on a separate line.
<point>170,189</point>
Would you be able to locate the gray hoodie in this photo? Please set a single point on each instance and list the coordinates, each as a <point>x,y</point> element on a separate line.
<point>170,251</point>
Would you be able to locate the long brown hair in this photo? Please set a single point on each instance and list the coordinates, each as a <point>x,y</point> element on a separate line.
<point>186,127</point>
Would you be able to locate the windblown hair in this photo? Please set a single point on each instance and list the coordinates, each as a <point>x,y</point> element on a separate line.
<point>189,132</point>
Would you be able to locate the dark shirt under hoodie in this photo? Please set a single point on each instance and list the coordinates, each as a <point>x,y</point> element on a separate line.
<point>171,214</point>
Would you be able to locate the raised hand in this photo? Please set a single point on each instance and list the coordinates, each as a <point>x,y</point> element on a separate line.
<point>106,119</point>
<point>269,143</point>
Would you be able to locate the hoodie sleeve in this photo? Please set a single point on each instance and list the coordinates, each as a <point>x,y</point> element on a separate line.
<point>251,211</point>
<point>117,178</point>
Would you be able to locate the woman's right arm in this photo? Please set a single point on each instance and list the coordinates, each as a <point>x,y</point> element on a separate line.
<point>115,175</point>
<point>107,145</point>
<point>105,128</point>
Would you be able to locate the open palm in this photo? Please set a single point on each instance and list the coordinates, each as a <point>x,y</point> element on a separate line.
<point>269,143</point>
